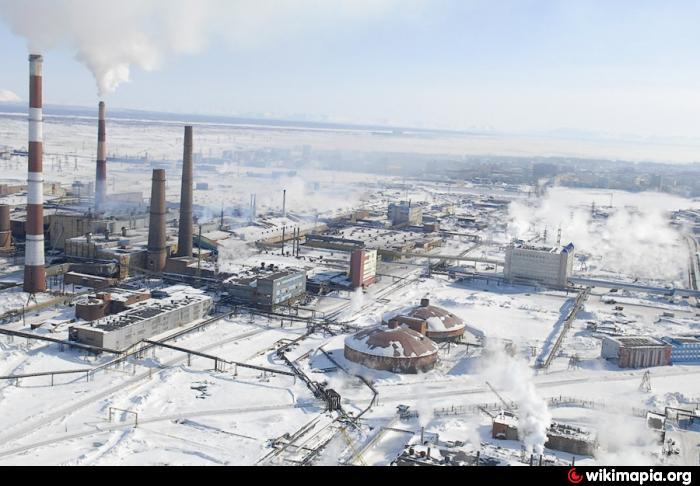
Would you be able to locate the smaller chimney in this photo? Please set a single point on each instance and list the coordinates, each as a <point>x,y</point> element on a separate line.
<point>424,302</point>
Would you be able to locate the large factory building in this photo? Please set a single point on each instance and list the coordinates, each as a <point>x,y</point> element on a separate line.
<point>545,265</point>
<point>174,307</point>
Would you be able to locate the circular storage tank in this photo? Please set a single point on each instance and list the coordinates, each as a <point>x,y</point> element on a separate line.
<point>441,325</point>
<point>400,350</point>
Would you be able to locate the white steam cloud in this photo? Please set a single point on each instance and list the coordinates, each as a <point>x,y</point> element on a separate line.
<point>7,95</point>
<point>635,240</point>
<point>512,377</point>
<point>110,37</point>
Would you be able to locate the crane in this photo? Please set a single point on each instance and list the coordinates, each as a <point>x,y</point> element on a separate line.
<point>506,405</point>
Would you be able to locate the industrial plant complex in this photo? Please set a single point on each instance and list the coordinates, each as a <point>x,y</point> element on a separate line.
<point>178,292</point>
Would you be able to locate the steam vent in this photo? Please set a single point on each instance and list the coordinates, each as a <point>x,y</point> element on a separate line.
<point>400,350</point>
<point>435,322</point>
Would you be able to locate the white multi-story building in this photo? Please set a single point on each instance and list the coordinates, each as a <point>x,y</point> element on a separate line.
<point>405,213</point>
<point>546,265</point>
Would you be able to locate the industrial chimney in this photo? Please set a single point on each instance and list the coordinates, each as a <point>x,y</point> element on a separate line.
<point>284,203</point>
<point>34,272</point>
<point>101,168</point>
<point>184,239</point>
<point>157,251</point>
<point>5,228</point>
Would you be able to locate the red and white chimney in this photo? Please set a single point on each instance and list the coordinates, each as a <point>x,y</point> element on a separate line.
<point>101,168</point>
<point>34,272</point>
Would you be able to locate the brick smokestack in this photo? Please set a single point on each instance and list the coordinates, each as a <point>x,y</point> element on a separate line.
<point>34,272</point>
<point>184,239</point>
<point>101,167</point>
<point>157,252</point>
<point>5,228</point>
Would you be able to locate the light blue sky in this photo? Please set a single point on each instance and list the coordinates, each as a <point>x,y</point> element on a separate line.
<point>617,66</point>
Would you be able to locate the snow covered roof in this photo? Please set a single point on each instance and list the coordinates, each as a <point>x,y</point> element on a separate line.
<point>392,343</point>
<point>437,318</point>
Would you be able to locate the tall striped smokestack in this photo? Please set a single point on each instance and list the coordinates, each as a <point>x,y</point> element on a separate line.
<point>34,272</point>
<point>184,238</point>
<point>101,167</point>
<point>157,251</point>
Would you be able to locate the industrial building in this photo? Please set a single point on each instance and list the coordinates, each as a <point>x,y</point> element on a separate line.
<point>636,351</point>
<point>434,322</point>
<point>174,307</point>
<point>684,349</point>
<point>549,266</point>
<point>560,437</point>
<point>400,350</point>
<point>363,267</point>
<point>405,214</point>
<point>102,304</point>
<point>267,288</point>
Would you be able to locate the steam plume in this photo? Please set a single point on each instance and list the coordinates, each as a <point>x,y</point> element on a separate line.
<point>111,37</point>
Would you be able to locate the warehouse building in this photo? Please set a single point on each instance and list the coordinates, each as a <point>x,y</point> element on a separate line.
<point>399,350</point>
<point>174,307</point>
<point>545,265</point>
<point>434,322</point>
<point>636,351</point>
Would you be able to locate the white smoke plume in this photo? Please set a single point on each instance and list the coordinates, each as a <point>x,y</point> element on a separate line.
<point>7,95</point>
<point>110,37</point>
<point>636,240</point>
<point>512,377</point>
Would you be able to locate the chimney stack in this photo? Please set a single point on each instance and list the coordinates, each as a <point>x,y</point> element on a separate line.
<point>101,168</point>
<point>157,251</point>
<point>284,203</point>
<point>34,272</point>
<point>184,239</point>
<point>5,228</point>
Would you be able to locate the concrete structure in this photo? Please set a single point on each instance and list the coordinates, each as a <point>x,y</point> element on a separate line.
<point>363,267</point>
<point>405,214</point>
<point>399,350</point>
<point>636,351</point>
<point>268,289</point>
<point>504,426</point>
<point>102,304</point>
<point>184,239</point>
<point>574,440</point>
<point>157,250</point>
<point>34,272</point>
<point>177,306</point>
<point>560,437</point>
<point>684,349</point>
<point>435,322</point>
<point>5,227</point>
<point>545,265</point>
<point>101,166</point>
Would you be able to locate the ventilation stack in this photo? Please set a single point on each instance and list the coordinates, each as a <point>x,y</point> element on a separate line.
<point>101,167</point>
<point>5,228</point>
<point>157,251</point>
<point>34,272</point>
<point>184,239</point>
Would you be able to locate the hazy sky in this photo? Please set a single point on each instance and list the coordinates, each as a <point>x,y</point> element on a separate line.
<point>617,66</point>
